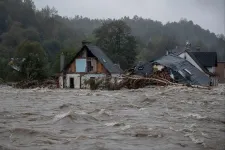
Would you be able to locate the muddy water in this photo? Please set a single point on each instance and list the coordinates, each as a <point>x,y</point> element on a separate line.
<point>162,118</point>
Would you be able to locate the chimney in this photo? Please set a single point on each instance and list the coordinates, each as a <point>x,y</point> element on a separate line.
<point>84,42</point>
<point>62,61</point>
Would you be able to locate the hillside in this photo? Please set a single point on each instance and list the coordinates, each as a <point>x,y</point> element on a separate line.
<point>20,21</point>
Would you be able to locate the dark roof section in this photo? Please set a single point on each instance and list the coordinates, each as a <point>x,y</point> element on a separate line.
<point>97,52</point>
<point>178,64</point>
<point>207,59</point>
<point>105,60</point>
<point>199,64</point>
<point>144,69</point>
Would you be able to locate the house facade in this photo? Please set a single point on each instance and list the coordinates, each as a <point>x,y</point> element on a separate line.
<point>89,63</point>
<point>220,71</point>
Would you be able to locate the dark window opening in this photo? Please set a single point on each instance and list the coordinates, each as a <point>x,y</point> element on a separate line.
<point>89,66</point>
<point>89,54</point>
<point>72,83</point>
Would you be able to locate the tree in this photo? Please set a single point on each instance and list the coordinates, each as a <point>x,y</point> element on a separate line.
<point>116,40</point>
<point>33,60</point>
<point>31,34</point>
<point>3,17</point>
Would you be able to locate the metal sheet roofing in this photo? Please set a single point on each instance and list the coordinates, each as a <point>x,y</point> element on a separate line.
<point>144,69</point>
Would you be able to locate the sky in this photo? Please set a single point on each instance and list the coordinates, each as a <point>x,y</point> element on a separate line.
<point>209,14</point>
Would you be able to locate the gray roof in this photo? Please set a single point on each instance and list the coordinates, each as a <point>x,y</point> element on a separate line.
<point>104,59</point>
<point>177,51</point>
<point>101,56</point>
<point>144,69</point>
<point>178,64</point>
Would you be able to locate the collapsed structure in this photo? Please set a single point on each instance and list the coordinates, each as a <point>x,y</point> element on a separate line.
<point>182,71</point>
<point>183,66</point>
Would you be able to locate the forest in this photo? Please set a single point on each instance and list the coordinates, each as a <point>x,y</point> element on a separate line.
<point>34,39</point>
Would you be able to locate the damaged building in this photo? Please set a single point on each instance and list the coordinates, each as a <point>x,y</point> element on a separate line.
<point>206,62</point>
<point>181,70</point>
<point>174,69</point>
<point>89,63</point>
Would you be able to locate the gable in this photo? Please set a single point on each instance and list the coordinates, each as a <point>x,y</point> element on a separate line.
<point>96,54</point>
<point>187,57</point>
<point>85,62</point>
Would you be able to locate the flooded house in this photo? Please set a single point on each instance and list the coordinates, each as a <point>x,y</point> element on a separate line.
<point>181,70</point>
<point>173,68</point>
<point>89,63</point>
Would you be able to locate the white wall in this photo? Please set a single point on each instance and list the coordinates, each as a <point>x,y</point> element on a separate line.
<point>188,58</point>
<point>79,80</point>
<point>76,80</point>
<point>61,82</point>
<point>211,69</point>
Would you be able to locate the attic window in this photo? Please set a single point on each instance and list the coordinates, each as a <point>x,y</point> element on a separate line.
<point>141,68</point>
<point>188,72</point>
<point>104,60</point>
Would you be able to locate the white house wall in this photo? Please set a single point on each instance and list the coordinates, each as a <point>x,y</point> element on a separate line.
<point>76,80</point>
<point>186,56</point>
<point>61,82</point>
<point>211,69</point>
<point>79,80</point>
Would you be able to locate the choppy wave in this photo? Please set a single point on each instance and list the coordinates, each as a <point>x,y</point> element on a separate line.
<point>157,118</point>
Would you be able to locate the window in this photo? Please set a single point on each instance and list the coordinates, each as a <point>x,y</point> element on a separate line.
<point>81,65</point>
<point>89,66</point>
<point>141,68</point>
<point>187,71</point>
<point>104,60</point>
<point>187,74</point>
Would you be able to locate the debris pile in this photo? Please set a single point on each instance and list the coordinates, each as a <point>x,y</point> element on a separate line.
<point>164,74</point>
<point>27,84</point>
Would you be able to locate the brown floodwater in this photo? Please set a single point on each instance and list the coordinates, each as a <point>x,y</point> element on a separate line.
<point>154,118</point>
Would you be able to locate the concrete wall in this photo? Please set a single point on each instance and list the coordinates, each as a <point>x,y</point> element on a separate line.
<point>61,82</point>
<point>76,80</point>
<point>220,71</point>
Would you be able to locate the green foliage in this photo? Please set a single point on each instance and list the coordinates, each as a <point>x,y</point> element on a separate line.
<point>52,47</point>
<point>116,40</point>
<point>33,60</point>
